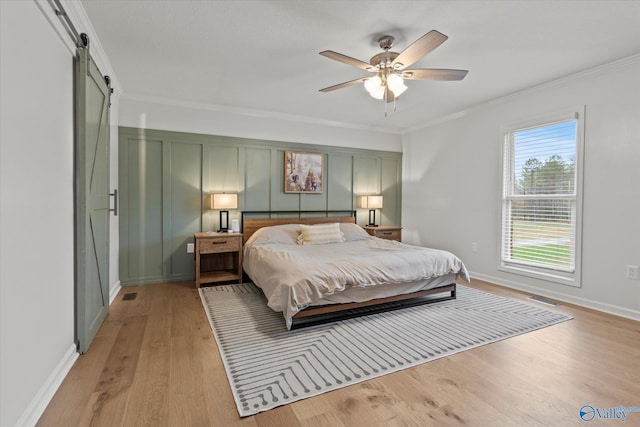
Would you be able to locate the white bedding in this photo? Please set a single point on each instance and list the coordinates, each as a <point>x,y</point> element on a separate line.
<point>294,276</point>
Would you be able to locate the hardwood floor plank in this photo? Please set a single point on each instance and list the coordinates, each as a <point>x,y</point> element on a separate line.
<point>111,393</point>
<point>328,419</point>
<point>148,403</point>
<point>155,362</point>
<point>76,390</point>
<point>426,400</point>
<point>318,411</point>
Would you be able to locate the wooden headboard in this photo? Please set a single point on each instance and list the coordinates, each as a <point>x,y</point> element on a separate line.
<point>250,225</point>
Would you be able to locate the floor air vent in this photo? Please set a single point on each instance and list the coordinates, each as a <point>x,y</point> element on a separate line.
<point>543,301</point>
<point>130,296</point>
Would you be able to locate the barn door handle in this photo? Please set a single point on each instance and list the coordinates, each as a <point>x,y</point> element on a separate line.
<point>115,202</point>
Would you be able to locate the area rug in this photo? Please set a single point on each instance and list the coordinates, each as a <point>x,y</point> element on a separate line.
<point>268,366</point>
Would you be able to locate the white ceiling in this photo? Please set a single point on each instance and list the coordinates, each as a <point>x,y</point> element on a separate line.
<point>262,56</point>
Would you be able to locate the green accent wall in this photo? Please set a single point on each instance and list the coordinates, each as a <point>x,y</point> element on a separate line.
<point>166,178</point>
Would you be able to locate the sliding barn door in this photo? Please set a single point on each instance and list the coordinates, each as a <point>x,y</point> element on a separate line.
<point>92,198</point>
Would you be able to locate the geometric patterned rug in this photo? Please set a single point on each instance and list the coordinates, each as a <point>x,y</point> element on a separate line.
<point>269,366</point>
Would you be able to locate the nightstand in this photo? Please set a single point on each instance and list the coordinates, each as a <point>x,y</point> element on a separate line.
<point>218,257</point>
<point>385,232</point>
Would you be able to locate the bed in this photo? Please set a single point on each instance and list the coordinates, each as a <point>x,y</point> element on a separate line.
<point>320,269</point>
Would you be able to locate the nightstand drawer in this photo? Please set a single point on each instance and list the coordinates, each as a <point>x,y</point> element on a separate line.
<point>388,234</point>
<point>219,245</point>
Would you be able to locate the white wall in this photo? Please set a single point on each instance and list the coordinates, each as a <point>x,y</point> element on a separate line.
<point>36,199</point>
<point>452,177</point>
<point>156,113</point>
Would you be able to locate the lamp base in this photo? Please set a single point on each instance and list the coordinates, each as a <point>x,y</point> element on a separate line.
<point>225,223</point>
<point>372,218</point>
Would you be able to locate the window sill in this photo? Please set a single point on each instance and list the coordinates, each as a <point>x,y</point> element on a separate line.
<point>569,279</point>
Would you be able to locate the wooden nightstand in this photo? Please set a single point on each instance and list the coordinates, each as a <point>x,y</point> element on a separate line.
<point>218,257</point>
<point>386,232</point>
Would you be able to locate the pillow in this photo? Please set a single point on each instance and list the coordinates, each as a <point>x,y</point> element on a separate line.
<point>353,232</point>
<point>320,234</point>
<point>284,234</point>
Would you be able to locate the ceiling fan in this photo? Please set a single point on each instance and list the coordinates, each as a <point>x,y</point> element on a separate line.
<point>390,68</point>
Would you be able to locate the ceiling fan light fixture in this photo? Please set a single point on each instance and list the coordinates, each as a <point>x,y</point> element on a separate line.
<point>396,84</point>
<point>378,93</point>
<point>373,84</point>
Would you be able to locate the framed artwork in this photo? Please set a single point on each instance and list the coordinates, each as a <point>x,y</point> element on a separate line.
<point>303,172</point>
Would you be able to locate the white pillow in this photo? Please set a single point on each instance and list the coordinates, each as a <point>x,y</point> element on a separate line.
<point>282,234</point>
<point>320,234</point>
<point>353,232</point>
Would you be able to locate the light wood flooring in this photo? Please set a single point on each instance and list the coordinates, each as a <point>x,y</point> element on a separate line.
<point>154,362</point>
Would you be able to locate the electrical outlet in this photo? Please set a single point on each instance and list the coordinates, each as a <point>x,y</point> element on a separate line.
<point>474,247</point>
<point>633,272</point>
<point>190,248</point>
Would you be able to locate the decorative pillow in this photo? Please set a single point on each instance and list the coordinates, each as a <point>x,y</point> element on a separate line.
<point>353,232</point>
<point>320,234</point>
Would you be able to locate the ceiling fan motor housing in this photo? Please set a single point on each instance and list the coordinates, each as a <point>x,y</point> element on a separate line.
<point>383,59</point>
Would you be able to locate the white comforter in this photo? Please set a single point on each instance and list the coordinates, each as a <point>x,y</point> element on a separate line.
<point>295,276</point>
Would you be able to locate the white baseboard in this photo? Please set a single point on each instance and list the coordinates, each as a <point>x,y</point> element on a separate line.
<point>35,409</point>
<point>113,293</point>
<point>37,406</point>
<point>560,296</point>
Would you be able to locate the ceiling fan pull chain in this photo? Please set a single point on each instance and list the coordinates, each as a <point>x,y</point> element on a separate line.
<point>385,101</point>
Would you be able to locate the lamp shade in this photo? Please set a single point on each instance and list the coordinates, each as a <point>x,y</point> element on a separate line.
<point>224,201</point>
<point>371,202</point>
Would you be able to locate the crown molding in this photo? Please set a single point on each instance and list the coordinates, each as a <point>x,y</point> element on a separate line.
<point>247,112</point>
<point>580,75</point>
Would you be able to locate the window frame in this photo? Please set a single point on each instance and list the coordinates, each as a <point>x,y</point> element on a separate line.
<point>543,273</point>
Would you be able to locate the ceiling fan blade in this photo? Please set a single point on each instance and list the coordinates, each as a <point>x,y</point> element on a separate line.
<point>347,60</point>
<point>418,49</point>
<point>345,84</point>
<point>434,74</point>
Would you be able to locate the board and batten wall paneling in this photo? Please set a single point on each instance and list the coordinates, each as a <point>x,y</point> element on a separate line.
<point>257,184</point>
<point>366,181</point>
<point>221,176</point>
<point>184,205</point>
<point>391,191</point>
<point>141,233</point>
<point>339,181</point>
<point>167,178</point>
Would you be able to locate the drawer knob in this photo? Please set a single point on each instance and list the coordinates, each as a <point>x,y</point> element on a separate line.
<point>220,243</point>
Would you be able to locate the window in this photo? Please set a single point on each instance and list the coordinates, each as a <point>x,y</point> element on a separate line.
<point>540,203</point>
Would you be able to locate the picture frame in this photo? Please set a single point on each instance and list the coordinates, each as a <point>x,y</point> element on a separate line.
<point>303,172</point>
